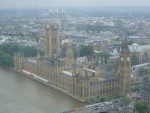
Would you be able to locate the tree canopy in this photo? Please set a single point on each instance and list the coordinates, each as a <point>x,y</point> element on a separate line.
<point>64,50</point>
<point>143,72</point>
<point>125,101</point>
<point>135,88</point>
<point>75,52</point>
<point>6,60</point>
<point>104,55</point>
<point>10,48</point>
<point>29,51</point>
<point>135,59</point>
<point>86,50</point>
<point>7,51</point>
<point>141,106</point>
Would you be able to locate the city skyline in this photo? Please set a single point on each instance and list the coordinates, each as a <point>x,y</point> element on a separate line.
<point>7,4</point>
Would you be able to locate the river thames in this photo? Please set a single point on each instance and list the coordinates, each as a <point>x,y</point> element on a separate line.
<point>21,94</point>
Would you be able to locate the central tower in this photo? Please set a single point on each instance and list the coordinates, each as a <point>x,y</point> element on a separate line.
<point>69,55</point>
<point>125,69</point>
<point>52,41</point>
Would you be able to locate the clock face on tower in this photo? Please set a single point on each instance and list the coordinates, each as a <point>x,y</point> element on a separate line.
<point>128,59</point>
<point>121,59</point>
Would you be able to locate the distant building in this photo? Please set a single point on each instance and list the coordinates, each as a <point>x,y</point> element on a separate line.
<point>139,40</point>
<point>145,89</point>
<point>141,51</point>
<point>136,68</point>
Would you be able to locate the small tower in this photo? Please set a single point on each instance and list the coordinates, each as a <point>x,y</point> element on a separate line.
<point>18,61</point>
<point>38,58</point>
<point>125,69</point>
<point>69,55</point>
<point>51,41</point>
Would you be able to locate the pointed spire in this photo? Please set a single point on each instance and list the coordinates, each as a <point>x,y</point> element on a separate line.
<point>124,45</point>
<point>69,44</point>
<point>125,40</point>
<point>69,55</point>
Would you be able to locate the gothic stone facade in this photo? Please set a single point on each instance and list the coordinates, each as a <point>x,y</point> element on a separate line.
<point>80,82</point>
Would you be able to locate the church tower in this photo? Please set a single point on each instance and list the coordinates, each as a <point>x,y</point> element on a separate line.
<point>125,69</point>
<point>69,55</point>
<point>52,41</point>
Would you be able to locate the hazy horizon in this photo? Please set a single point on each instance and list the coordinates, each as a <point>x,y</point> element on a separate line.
<point>9,4</point>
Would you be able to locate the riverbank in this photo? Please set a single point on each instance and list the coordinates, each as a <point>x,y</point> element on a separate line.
<point>44,81</point>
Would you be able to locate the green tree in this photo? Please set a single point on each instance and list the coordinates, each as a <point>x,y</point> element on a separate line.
<point>135,59</point>
<point>104,55</point>
<point>141,106</point>
<point>75,52</point>
<point>143,72</point>
<point>7,51</point>
<point>14,48</point>
<point>10,48</point>
<point>64,49</point>
<point>102,99</point>
<point>30,51</point>
<point>86,50</point>
<point>6,60</point>
<point>125,102</point>
<point>135,88</point>
<point>130,42</point>
<point>74,49</point>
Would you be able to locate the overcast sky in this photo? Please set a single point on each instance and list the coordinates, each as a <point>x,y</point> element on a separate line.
<point>48,3</point>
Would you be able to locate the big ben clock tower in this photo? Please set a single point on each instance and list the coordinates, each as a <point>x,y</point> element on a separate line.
<point>125,69</point>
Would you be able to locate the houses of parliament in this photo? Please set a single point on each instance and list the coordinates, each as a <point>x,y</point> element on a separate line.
<point>79,81</point>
